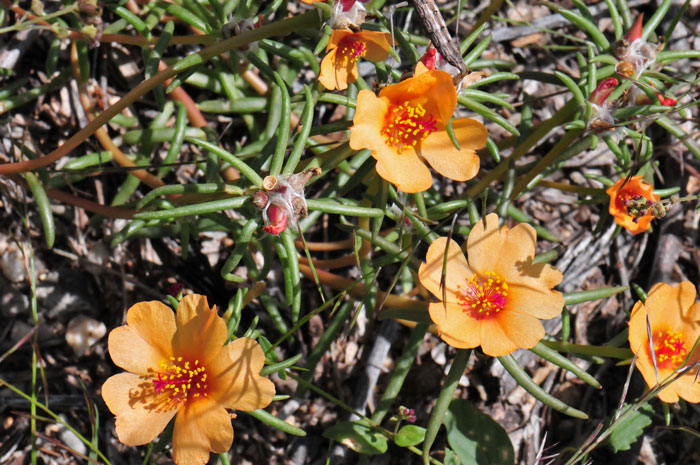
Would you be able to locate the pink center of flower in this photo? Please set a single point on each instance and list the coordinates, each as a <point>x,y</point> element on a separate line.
<point>669,348</point>
<point>181,381</point>
<point>406,125</point>
<point>483,296</point>
<point>352,50</point>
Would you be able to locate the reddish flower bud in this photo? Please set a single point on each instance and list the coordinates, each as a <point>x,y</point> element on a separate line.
<point>278,220</point>
<point>636,31</point>
<point>429,58</point>
<point>175,289</point>
<point>667,101</point>
<point>603,91</point>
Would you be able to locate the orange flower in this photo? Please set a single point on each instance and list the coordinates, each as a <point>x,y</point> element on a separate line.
<point>339,66</point>
<point>674,320</point>
<point>178,366</point>
<point>495,299</point>
<point>405,125</point>
<point>634,189</point>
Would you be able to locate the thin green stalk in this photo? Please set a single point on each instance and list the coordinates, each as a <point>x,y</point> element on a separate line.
<point>459,364</point>
<point>400,372</point>
<point>588,350</point>
<point>521,377</point>
<point>283,129</point>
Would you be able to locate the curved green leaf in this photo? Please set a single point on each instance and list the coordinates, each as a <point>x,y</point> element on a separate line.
<point>476,437</point>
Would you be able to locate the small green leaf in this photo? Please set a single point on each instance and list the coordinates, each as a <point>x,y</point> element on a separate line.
<point>269,419</point>
<point>44,207</point>
<point>357,436</point>
<point>409,435</point>
<point>627,431</point>
<point>476,437</point>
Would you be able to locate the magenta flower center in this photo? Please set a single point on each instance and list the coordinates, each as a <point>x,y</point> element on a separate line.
<point>181,381</point>
<point>483,296</point>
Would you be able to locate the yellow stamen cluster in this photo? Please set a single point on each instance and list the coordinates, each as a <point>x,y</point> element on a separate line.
<point>483,295</point>
<point>352,50</point>
<point>669,348</point>
<point>406,125</point>
<point>181,381</point>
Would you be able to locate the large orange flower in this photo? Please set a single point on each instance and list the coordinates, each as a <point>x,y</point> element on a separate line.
<point>634,189</point>
<point>339,66</point>
<point>178,366</point>
<point>497,298</point>
<point>674,320</point>
<point>405,125</point>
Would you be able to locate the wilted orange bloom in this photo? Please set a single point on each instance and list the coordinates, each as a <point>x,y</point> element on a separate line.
<point>674,320</point>
<point>495,299</point>
<point>404,126</point>
<point>178,366</point>
<point>339,66</point>
<point>634,189</point>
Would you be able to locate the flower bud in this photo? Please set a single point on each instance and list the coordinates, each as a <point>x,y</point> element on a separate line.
<point>278,220</point>
<point>603,91</point>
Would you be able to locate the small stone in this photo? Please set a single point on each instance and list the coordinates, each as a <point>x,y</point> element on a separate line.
<point>12,303</point>
<point>83,332</point>
<point>438,354</point>
<point>20,329</point>
<point>70,439</point>
<point>65,292</point>
<point>12,264</point>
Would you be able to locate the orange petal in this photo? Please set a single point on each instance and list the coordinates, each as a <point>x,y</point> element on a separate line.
<point>406,170</point>
<point>456,271</point>
<point>668,394</point>
<point>201,333</point>
<point>237,371</point>
<point>443,156</point>
<point>132,353</point>
<point>201,427</point>
<point>377,43</point>
<point>327,76</point>
<point>336,37</point>
<point>135,424</point>
<point>454,325</point>
<point>515,247</point>
<point>145,340</point>
<point>523,330</point>
<point>494,340</point>
<point>685,387</point>
<point>346,73</point>
<point>637,327</point>
<point>536,300</point>
<point>672,305</point>
<point>368,121</point>
<point>420,68</point>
